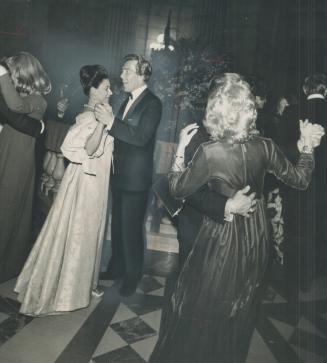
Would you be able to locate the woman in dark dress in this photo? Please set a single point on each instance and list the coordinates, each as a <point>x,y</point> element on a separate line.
<point>211,310</point>
<point>17,161</point>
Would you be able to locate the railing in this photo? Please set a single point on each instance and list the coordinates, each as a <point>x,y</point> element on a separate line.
<point>53,163</point>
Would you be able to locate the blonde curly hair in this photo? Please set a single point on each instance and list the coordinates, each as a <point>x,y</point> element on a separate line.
<point>230,112</point>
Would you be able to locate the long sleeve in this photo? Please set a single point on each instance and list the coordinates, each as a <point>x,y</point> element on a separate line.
<point>73,147</point>
<point>297,176</point>
<point>19,122</point>
<point>197,173</point>
<point>141,134</point>
<point>13,99</point>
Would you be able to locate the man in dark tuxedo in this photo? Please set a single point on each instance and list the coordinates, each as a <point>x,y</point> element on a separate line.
<point>134,130</point>
<point>259,91</point>
<point>305,211</point>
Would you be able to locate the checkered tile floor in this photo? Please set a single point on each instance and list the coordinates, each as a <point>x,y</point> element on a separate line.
<point>132,332</point>
<point>128,326</point>
<point>115,329</point>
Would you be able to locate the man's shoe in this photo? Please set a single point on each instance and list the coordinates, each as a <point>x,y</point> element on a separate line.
<point>128,288</point>
<point>109,275</point>
<point>97,293</point>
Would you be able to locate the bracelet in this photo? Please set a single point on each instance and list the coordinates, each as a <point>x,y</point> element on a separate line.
<point>228,215</point>
<point>306,149</point>
<point>42,127</point>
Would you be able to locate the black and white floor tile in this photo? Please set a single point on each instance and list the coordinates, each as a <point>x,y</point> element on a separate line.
<point>115,329</point>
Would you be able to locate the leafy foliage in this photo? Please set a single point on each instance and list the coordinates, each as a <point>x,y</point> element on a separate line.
<point>182,77</point>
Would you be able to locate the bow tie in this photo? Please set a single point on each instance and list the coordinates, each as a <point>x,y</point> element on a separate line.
<point>129,95</point>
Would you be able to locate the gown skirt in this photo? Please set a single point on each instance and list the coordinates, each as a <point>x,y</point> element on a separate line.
<point>64,264</point>
<point>17,177</point>
<point>211,315</point>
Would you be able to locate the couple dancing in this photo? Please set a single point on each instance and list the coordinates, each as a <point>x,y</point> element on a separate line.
<point>23,85</point>
<point>62,271</point>
<point>212,310</point>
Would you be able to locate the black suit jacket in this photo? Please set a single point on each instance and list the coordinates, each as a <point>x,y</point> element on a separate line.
<point>309,206</point>
<point>134,143</point>
<point>315,110</point>
<point>203,201</point>
<point>20,122</point>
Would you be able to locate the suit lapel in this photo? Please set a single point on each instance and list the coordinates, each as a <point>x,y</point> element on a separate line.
<point>137,101</point>
<point>122,109</point>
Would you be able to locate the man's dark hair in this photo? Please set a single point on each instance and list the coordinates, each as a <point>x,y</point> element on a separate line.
<point>257,85</point>
<point>143,67</point>
<point>315,83</point>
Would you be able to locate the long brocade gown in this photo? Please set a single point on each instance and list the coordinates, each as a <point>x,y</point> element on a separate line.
<point>211,309</point>
<point>64,264</point>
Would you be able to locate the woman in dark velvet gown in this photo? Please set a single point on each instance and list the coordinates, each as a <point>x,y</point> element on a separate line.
<point>211,310</point>
<point>17,160</point>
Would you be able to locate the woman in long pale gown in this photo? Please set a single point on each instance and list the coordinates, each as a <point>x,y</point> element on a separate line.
<point>63,267</point>
<point>212,308</point>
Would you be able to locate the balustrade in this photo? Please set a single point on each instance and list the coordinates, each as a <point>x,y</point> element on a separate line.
<point>53,162</point>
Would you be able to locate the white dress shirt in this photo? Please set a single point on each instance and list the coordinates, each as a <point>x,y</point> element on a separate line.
<point>3,70</point>
<point>315,95</point>
<point>135,94</point>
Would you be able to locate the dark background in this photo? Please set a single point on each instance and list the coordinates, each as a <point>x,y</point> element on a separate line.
<point>280,40</point>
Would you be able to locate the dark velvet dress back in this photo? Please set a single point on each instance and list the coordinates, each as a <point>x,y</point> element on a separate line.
<point>17,179</point>
<point>17,172</point>
<point>211,310</point>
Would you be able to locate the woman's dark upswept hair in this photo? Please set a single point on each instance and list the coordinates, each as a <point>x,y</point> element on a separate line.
<point>92,76</point>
